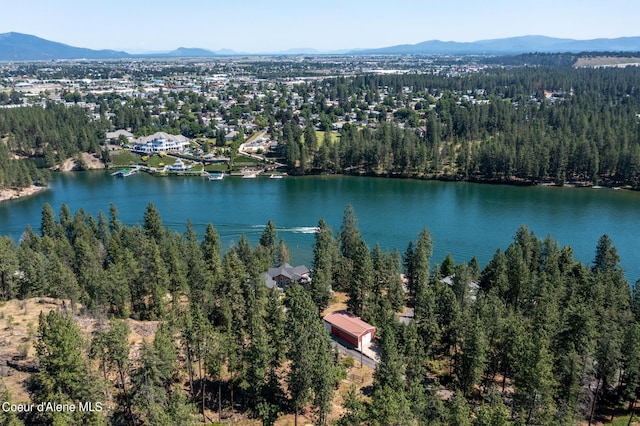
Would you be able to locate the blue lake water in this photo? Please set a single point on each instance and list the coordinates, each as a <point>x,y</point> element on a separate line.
<point>465,219</point>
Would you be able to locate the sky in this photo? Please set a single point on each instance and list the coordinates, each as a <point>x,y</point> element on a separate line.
<point>255,26</point>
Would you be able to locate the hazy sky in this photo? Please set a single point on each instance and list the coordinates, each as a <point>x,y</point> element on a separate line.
<point>274,25</point>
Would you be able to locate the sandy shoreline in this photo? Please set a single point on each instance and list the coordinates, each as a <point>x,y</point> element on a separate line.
<point>12,194</point>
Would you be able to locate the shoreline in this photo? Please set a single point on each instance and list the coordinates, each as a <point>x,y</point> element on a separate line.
<point>15,194</point>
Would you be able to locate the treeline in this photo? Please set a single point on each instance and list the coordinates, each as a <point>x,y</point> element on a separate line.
<point>222,331</point>
<point>534,338</point>
<point>42,138</point>
<point>528,124</point>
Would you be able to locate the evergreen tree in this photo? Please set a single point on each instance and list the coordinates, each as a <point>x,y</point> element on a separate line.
<point>65,376</point>
<point>48,225</point>
<point>212,251</point>
<point>355,409</point>
<point>283,256</point>
<point>324,256</point>
<point>152,223</point>
<point>359,287</point>
<point>471,361</point>
<point>311,375</point>
<point>420,265</point>
<point>349,236</point>
<point>269,243</point>
<point>447,266</point>
<point>9,418</point>
<point>8,269</point>
<point>155,397</point>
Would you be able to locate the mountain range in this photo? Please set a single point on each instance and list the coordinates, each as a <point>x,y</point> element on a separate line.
<point>23,47</point>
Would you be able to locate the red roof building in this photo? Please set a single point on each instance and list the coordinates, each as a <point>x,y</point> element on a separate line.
<point>350,328</point>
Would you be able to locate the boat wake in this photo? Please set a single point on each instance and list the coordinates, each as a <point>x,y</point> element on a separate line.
<point>302,229</point>
<point>294,229</point>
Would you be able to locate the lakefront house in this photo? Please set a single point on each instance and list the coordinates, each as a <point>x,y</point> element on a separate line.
<point>161,142</point>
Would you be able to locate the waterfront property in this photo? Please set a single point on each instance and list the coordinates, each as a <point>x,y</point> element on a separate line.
<point>178,166</point>
<point>161,142</point>
<point>349,328</point>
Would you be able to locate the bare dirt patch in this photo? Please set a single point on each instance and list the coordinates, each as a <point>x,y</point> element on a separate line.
<point>606,61</point>
<point>15,193</point>
<point>91,161</point>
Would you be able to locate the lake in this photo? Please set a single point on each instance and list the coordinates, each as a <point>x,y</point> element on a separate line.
<point>465,219</point>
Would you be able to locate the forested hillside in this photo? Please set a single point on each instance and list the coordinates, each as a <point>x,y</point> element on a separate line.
<point>529,124</point>
<point>34,139</point>
<point>533,338</point>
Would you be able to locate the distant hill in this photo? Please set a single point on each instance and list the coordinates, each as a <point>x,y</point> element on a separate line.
<point>24,47</point>
<point>191,52</point>
<point>509,46</point>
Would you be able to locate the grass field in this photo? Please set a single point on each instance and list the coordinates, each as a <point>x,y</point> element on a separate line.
<point>243,159</point>
<point>125,158</point>
<point>333,137</point>
<point>216,168</point>
<point>158,161</point>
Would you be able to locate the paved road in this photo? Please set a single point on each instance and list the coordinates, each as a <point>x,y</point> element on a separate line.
<point>356,355</point>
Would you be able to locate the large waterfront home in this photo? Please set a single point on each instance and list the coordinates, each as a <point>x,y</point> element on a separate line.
<point>161,142</point>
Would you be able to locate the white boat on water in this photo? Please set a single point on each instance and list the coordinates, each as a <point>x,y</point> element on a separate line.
<point>274,176</point>
<point>249,176</point>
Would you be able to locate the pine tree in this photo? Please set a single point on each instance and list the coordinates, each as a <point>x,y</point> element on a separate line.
<point>8,269</point>
<point>65,376</point>
<point>324,255</point>
<point>283,256</point>
<point>471,361</point>
<point>355,409</point>
<point>420,264</point>
<point>311,375</point>
<point>9,418</point>
<point>112,347</point>
<point>349,236</point>
<point>48,225</point>
<point>269,243</point>
<point>155,397</point>
<point>360,285</point>
<point>212,251</point>
<point>153,223</point>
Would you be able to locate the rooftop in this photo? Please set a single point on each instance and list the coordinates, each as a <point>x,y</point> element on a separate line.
<point>348,322</point>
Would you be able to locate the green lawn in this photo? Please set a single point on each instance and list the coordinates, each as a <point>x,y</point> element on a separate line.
<point>243,159</point>
<point>157,161</point>
<point>334,137</point>
<point>216,168</point>
<point>125,158</point>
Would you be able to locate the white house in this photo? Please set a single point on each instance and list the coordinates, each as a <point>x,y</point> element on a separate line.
<point>178,166</point>
<point>161,142</point>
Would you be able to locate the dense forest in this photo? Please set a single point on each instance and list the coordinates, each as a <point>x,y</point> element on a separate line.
<point>530,124</point>
<point>533,338</point>
<point>36,139</point>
